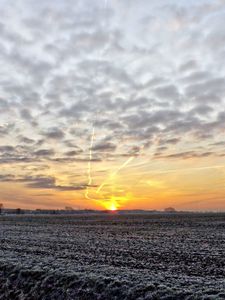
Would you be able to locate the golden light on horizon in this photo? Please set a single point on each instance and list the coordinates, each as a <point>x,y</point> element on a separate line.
<point>112,207</point>
<point>113,203</point>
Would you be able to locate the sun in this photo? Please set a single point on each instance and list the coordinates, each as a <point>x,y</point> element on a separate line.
<point>113,203</point>
<point>112,206</point>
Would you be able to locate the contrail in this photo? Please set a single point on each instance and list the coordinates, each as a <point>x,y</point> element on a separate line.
<point>89,165</point>
<point>186,169</point>
<point>115,172</point>
<point>201,200</point>
<point>92,139</point>
<point>119,169</point>
<point>123,165</point>
<point>178,171</point>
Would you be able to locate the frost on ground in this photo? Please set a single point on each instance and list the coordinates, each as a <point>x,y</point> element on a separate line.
<point>112,257</point>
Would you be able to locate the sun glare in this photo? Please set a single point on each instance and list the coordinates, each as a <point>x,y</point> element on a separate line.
<point>112,207</point>
<point>114,203</point>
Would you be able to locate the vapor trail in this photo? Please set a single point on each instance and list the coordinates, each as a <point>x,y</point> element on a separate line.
<point>115,172</point>
<point>89,165</point>
<point>186,169</point>
<point>178,171</point>
<point>119,169</point>
<point>92,137</point>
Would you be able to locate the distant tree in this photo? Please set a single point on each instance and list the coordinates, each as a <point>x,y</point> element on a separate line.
<point>68,208</point>
<point>19,211</point>
<point>169,209</point>
<point>1,207</point>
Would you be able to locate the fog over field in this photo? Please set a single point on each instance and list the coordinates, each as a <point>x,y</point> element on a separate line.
<point>163,256</point>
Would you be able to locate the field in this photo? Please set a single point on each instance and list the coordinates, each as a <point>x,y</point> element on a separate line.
<point>150,256</point>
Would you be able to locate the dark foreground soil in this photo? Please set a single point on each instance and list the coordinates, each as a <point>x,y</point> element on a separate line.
<point>112,257</point>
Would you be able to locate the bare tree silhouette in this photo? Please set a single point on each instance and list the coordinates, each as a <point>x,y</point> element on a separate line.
<point>1,207</point>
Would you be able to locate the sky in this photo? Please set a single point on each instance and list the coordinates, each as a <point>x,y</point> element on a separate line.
<point>110,104</point>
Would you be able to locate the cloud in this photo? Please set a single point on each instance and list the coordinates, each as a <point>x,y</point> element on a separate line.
<point>167,92</point>
<point>172,141</point>
<point>54,133</point>
<point>26,140</point>
<point>6,177</point>
<point>104,147</point>
<point>26,114</point>
<point>50,183</point>
<point>41,182</point>
<point>44,152</point>
<point>5,129</point>
<point>186,155</point>
<point>6,148</point>
<point>73,152</point>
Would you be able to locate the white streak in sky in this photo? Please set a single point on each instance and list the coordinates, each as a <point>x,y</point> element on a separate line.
<point>89,165</point>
